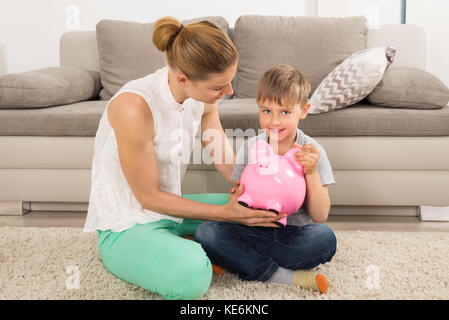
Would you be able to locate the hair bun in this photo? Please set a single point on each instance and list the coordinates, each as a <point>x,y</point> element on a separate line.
<point>163,30</point>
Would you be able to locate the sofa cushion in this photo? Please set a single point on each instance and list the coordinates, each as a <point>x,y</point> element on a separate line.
<point>410,88</point>
<point>81,119</point>
<point>126,51</point>
<point>315,45</point>
<point>77,119</point>
<point>361,119</point>
<point>352,80</point>
<point>48,87</point>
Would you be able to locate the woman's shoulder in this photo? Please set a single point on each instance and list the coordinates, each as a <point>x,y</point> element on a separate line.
<point>129,109</point>
<point>132,102</point>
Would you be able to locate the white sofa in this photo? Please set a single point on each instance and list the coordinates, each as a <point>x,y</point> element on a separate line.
<point>387,175</point>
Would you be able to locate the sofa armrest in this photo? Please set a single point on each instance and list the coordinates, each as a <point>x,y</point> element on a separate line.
<point>409,40</point>
<point>79,49</point>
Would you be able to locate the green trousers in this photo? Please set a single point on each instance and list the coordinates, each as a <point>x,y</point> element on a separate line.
<point>154,255</point>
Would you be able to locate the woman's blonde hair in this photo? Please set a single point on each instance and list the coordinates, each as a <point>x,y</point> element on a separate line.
<point>284,85</point>
<point>197,49</point>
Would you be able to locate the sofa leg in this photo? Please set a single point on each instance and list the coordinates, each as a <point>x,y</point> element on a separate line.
<point>428,213</point>
<point>14,207</point>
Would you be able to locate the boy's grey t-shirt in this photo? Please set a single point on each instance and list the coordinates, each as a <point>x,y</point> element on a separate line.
<point>300,217</point>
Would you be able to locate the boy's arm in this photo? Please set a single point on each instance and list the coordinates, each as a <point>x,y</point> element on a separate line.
<point>317,196</point>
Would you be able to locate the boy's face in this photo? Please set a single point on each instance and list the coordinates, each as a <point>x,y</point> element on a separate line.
<point>280,122</point>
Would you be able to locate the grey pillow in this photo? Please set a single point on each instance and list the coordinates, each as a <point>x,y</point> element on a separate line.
<point>48,87</point>
<point>126,51</point>
<point>404,87</point>
<point>315,45</point>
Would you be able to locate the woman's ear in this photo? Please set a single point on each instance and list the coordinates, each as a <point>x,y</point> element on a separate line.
<point>181,78</point>
<point>305,110</point>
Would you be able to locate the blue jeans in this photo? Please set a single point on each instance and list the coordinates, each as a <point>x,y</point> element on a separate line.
<point>255,253</point>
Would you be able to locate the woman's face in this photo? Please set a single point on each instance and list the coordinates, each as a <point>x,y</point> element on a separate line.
<point>212,89</point>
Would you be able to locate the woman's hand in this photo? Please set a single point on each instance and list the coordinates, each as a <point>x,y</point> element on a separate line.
<point>307,157</point>
<point>235,212</point>
<point>233,189</point>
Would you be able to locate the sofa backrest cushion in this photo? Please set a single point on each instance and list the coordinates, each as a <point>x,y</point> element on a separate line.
<point>410,88</point>
<point>126,51</point>
<point>79,48</point>
<point>315,45</point>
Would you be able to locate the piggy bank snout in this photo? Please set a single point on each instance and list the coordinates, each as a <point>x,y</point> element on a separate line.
<point>263,161</point>
<point>267,166</point>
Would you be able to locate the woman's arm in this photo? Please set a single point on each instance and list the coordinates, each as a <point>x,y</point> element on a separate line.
<point>132,121</point>
<point>214,140</point>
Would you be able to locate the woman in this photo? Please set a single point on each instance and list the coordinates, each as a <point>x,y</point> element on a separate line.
<point>135,201</point>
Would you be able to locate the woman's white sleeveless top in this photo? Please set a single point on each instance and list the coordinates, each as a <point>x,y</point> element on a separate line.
<point>112,205</point>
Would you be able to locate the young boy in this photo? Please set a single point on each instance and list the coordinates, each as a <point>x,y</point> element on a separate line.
<point>283,254</point>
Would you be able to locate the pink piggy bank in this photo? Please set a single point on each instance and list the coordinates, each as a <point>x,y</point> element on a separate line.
<point>273,182</point>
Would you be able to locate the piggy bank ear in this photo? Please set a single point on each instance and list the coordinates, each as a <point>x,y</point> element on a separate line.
<point>260,150</point>
<point>290,155</point>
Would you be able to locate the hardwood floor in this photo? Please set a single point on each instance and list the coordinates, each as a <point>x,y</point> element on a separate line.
<point>336,223</point>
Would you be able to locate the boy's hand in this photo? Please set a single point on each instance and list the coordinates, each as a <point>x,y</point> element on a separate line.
<point>307,157</point>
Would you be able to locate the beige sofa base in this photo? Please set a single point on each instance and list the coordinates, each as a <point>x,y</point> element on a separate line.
<point>425,213</point>
<point>385,187</point>
<point>393,193</point>
<point>369,171</point>
<point>14,208</point>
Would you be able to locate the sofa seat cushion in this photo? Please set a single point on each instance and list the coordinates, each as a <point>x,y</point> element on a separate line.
<point>81,119</point>
<point>361,119</point>
<point>76,119</point>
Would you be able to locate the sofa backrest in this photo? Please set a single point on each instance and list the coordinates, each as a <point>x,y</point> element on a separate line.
<point>79,48</point>
<point>314,45</point>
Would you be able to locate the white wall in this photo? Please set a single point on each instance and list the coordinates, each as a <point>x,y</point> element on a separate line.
<point>30,29</point>
<point>376,11</point>
<point>433,15</point>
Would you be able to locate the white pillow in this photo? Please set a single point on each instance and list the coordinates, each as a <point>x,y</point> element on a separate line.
<point>352,80</point>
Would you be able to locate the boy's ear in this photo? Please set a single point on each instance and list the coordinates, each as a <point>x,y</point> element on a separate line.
<point>305,110</point>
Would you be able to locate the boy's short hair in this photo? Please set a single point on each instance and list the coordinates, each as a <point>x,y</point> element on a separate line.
<point>285,85</point>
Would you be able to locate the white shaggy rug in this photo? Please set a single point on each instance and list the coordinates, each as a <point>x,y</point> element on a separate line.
<point>63,263</point>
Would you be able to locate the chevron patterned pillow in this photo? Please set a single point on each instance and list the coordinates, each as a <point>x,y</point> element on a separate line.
<point>352,80</point>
